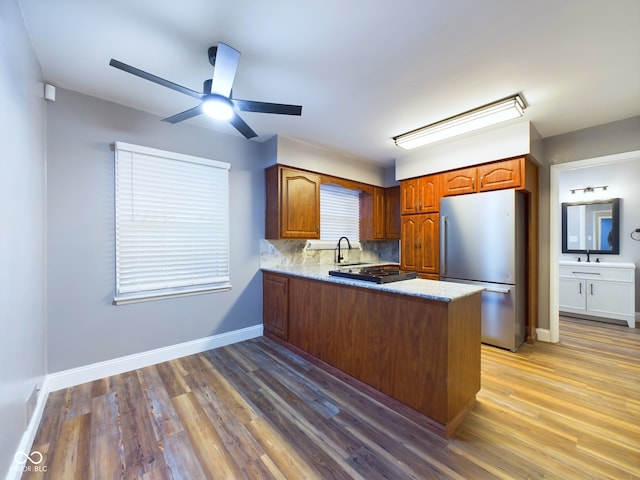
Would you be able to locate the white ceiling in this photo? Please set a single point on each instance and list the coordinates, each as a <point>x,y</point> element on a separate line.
<point>362,73</point>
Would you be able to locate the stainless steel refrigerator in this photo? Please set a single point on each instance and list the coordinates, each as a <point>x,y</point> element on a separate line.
<point>483,242</point>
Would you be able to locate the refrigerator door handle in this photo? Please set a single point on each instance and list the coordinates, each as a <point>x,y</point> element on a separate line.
<point>443,244</point>
<point>505,291</point>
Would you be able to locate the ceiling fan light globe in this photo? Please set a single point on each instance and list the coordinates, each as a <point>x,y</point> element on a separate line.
<point>218,107</point>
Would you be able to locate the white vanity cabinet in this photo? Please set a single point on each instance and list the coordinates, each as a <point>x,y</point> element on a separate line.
<point>599,289</point>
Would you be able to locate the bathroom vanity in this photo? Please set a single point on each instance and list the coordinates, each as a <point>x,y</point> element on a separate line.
<point>599,289</point>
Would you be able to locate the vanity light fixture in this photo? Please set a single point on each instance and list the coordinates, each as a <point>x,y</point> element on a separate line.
<point>496,112</point>
<point>588,189</point>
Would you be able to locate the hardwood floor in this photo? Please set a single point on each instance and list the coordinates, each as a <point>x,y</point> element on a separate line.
<point>255,410</point>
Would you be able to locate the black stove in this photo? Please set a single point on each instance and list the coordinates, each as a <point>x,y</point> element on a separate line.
<point>377,274</point>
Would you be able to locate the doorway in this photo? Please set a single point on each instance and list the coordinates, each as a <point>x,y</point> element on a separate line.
<point>555,229</point>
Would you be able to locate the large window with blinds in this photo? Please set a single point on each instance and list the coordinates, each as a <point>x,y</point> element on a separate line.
<point>339,213</point>
<point>171,224</point>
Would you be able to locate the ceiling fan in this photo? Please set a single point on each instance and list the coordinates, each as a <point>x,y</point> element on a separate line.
<point>216,100</point>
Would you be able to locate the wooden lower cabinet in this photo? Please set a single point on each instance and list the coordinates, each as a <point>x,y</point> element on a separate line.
<point>275,304</point>
<point>420,243</point>
<point>422,353</point>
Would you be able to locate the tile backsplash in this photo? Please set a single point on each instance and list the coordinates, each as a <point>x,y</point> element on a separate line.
<point>294,252</point>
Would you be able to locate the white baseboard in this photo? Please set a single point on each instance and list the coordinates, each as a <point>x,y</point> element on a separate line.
<point>15,470</point>
<point>544,334</point>
<point>95,371</point>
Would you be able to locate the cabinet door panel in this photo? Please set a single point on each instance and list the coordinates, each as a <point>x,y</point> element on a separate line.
<point>609,299</point>
<point>429,243</point>
<point>379,213</point>
<point>459,181</point>
<point>409,193</point>
<point>392,213</point>
<point>429,198</point>
<point>300,205</point>
<point>572,294</point>
<point>409,246</point>
<point>275,304</point>
<point>500,175</point>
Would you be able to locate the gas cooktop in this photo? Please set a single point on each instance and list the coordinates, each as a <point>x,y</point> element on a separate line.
<point>377,274</point>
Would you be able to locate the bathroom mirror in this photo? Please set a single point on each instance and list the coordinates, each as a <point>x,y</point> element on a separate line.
<point>592,226</point>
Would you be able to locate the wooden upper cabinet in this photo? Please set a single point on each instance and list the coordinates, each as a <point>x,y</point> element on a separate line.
<point>293,204</point>
<point>460,181</point>
<point>483,178</point>
<point>500,175</point>
<point>392,212</point>
<point>380,213</point>
<point>420,195</point>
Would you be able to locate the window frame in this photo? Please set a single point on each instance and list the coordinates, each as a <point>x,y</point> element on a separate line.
<point>189,228</point>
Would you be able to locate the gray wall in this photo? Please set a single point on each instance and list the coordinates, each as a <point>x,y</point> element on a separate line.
<point>83,326</point>
<point>22,242</point>
<point>615,137</point>
<point>611,138</point>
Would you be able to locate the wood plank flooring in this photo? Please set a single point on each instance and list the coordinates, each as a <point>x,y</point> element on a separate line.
<point>256,410</point>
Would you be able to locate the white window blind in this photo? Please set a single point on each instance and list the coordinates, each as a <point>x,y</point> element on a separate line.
<point>172,224</point>
<point>339,213</point>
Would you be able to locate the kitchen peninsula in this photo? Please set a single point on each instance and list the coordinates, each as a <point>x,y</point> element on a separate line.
<point>414,345</point>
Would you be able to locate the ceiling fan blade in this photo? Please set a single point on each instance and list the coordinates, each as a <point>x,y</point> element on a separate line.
<point>186,115</point>
<point>264,107</point>
<point>224,72</point>
<point>242,127</point>
<point>155,79</point>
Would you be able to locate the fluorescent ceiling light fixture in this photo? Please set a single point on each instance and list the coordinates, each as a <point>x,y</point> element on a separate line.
<point>496,112</point>
<point>218,107</point>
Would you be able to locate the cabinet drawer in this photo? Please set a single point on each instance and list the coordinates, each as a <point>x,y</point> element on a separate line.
<point>597,273</point>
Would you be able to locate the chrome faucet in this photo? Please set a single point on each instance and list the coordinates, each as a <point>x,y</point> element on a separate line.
<point>340,258</point>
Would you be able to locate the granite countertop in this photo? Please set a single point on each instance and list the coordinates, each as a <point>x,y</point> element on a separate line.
<point>417,287</point>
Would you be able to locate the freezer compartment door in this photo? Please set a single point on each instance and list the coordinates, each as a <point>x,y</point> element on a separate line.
<point>503,314</point>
